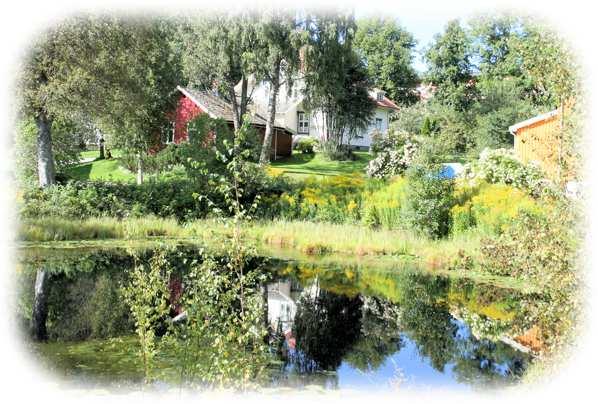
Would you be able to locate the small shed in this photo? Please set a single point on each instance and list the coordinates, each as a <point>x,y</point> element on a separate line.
<point>538,139</point>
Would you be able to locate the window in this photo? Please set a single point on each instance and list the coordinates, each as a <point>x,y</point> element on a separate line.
<point>168,134</point>
<point>302,122</point>
<point>379,124</point>
<point>380,96</point>
<point>189,131</point>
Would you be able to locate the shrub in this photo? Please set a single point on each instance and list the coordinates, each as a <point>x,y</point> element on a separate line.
<point>543,249</point>
<point>306,145</point>
<point>335,152</point>
<point>501,166</point>
<point>168,196</point>
<point>394,154</point>
<point>79,200</point>
<point>429,199</point>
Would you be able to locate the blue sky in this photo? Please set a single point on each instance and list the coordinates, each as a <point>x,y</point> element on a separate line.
<point>423,20</point>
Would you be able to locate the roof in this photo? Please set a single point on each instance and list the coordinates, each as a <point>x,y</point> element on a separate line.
<point>385,103</point>
<point>529,122</point>
<point>216,106</point>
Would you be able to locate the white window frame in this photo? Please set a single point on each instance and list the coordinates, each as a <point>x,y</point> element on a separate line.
<point>302,123</point>
<point>380,96</point>
<point>169,138</point>
<point>378,123</point>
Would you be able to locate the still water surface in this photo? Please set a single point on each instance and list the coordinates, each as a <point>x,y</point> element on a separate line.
<point>333,326</point>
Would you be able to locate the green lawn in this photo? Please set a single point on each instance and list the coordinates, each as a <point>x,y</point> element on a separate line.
<point>301,165</point>
<point>298,166</point>
<point>100,169</point>
<point>96,153</point>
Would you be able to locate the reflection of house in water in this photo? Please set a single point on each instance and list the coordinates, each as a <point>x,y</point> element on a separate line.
<point>283,296</point>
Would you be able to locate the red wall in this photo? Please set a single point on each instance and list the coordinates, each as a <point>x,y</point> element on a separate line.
<point>185,111</point>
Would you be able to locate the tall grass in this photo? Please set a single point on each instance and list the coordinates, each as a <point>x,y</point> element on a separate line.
<point>59,229</point>
<point>307,237</point>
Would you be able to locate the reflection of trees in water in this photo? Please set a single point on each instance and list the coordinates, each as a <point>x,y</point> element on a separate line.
<point>485,363</point>
<point>425,318</point>
<point>379,337</point>
<point>326,326</point>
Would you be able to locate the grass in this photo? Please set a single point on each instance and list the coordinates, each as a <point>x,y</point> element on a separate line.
<point>89,154</point>
<point>298,166</point>
<point>317,243</point>
<point>306,237</point>
<point>59,229</point>
<point>100,169</point>
<point>302,165</point>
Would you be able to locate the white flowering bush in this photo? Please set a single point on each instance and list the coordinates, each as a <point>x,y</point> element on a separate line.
<point>394,154</point>
<point>502,166</point>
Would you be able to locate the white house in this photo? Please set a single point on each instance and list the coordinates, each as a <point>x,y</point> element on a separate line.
<point>294,117</point>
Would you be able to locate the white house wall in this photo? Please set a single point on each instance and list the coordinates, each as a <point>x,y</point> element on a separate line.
<point>289,106</point>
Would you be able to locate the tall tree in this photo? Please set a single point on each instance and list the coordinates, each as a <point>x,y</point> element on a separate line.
<point>450,67</point>
<point>388,51</point>
<point>43,83</point>
<point>136,71</point>
<point>336,83</point>
<point>280,45</point>
<point>220,52</point>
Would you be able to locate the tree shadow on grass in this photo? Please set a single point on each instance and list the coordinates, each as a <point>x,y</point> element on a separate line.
<point>81,171</point>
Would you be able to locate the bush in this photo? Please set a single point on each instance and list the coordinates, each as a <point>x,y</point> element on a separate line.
<point>394,154</point>
<point>429,199</point>
<point>306,145</point>
<point>335,152</point>
<point>78,200</point>
<point>333,199</point>
<point>501,166</point>
<point>544,250</point>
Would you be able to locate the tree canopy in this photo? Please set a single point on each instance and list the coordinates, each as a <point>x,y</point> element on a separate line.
<point>388,52</point>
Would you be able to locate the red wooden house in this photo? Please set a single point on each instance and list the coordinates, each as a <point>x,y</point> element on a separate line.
<point>192,103</point>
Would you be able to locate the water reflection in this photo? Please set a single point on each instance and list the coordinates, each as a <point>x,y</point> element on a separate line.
<point>332,326</point>
<point>334,320</point>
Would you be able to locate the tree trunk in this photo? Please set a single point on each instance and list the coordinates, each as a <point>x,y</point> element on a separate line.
<point>45,156</point>
<point>235,105</point>
<point>101,146</point>
<point>275,83</point>
<point>244,101</point>
<point>40,306</point>
<point>46,177</point>
<point>139,169</point>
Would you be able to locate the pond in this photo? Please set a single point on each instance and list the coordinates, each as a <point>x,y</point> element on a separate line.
<point>330,325</point>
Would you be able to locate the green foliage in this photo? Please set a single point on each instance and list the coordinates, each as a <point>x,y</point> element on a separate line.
<point>502,103</point>
<point>501,166</point>
<point>450,67</point>
<point>383,207</point>
<point>147,295</point>
<point>388,51</point>
<point>307,145</point>
<point>336,82</point>
<point>429,200</point>
<point>67,150</point>
<point>489,208</point>
<point>76,199</point>
<point>543,249</point>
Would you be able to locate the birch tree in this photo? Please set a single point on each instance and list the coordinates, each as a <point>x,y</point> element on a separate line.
<point>280,46</point>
